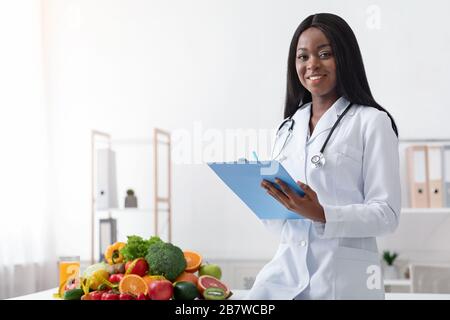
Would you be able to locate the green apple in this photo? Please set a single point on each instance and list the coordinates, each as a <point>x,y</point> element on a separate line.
<point>211,270</point>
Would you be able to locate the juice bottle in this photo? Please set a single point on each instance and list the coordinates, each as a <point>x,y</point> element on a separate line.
<point>69,273</point>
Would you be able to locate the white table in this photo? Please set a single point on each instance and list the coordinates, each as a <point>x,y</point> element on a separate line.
<point>239,294</point>
<point>42,295</point>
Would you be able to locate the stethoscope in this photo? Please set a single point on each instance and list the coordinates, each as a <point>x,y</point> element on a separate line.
<point>317,160</point>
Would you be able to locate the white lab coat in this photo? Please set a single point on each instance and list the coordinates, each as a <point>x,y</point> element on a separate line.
<point>359,189</point>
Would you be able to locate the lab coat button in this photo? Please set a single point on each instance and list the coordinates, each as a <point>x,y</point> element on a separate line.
<point>303,243</point>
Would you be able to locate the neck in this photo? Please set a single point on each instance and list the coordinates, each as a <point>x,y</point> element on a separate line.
<point>321,104</point>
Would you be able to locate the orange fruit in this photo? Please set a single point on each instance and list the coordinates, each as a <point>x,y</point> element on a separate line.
<point>187,276</point>
<point>193,261</point>
<point>133,284</point>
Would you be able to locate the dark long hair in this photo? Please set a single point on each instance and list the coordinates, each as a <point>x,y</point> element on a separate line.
<point>350,74</point>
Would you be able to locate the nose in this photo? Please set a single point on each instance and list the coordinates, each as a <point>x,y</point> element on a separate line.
<point>313,63</point>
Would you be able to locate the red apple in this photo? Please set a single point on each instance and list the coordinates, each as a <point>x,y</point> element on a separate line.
<point>140,268</point>
<point>160,290</point>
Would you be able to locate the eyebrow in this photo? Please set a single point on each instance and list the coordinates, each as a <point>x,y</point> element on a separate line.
<point>318,47</point>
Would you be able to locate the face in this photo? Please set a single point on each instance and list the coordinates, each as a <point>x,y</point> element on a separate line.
<point>315,63</point>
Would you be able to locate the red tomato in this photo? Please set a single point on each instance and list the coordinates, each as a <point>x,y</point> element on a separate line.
<point>116,278</point>
<point>160,290</point>
<point>110,296</point>
<point>96,295</point>
<point>126,296</point>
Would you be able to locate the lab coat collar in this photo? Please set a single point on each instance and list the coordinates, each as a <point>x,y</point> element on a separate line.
<point>329,118</point>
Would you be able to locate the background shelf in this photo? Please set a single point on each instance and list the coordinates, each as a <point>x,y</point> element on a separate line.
<point>425,210</point>
<point>127,210</point>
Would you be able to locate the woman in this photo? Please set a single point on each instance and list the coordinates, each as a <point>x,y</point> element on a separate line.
<point>352,190</point>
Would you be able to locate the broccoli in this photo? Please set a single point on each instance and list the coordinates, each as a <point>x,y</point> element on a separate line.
<point>166,260</point>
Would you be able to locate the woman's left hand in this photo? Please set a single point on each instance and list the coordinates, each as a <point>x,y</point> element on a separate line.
<point>307,206</point>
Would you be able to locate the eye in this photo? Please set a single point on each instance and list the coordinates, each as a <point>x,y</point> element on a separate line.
<point>325,54</point>
<point>302,57</point>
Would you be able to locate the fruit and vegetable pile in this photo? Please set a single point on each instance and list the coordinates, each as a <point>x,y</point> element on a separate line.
<point>148,270</point>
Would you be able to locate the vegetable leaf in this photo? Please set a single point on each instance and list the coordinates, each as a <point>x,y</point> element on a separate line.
<point>137,247</point>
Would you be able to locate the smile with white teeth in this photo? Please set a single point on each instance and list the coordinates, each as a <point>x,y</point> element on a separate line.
<point>316,77</point>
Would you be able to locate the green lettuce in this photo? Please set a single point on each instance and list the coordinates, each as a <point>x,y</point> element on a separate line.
<point>137,247</point>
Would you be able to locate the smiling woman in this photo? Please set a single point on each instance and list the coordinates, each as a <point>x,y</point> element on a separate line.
<point>351,198</point>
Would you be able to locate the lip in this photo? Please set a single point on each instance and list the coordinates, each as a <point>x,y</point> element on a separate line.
<point>316,76</point>
<point>316,79</point>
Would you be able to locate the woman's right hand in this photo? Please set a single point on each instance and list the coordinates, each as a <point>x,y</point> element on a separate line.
<point>307,206</point>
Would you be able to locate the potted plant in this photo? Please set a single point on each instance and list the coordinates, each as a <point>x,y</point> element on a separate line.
<point>130,199</point>
<point>390,270</point>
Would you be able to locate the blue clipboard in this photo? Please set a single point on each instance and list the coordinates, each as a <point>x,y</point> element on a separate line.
<point>244,179</point>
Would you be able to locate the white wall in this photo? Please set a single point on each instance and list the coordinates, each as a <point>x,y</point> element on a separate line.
<point>124,67</point>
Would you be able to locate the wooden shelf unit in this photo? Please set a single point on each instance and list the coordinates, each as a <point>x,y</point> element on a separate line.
<point>160,137</point>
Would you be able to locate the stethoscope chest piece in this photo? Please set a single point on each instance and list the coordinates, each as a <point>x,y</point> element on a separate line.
<point>318,160</point>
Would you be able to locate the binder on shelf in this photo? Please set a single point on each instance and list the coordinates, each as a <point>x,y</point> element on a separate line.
<point>435,178</point>
<point>417,164</point>
<point>446,174</point>
<point>106,191</point>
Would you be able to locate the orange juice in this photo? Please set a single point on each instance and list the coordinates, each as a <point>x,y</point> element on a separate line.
<point>69,273</point>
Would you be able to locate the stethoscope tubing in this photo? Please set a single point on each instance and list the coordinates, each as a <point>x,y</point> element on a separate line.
<point>319,159</point>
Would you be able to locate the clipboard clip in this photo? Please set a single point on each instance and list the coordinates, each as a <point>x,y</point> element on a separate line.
<point>242,160</point>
